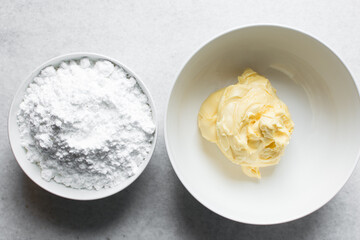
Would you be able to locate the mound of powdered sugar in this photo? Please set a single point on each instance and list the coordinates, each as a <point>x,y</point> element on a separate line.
<point>86,124</point>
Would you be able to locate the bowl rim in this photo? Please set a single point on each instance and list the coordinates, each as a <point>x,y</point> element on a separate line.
<point>77,56</point>
<point>202,201</point>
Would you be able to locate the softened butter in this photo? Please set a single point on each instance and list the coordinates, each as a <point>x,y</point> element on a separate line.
<point>248,122</point>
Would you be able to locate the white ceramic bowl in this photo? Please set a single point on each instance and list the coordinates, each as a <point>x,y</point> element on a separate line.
<point>323,101</point>
<point>33,171</point>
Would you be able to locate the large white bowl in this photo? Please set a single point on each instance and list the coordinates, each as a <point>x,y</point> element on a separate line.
<point>33,171</point>
<point>323,101</point>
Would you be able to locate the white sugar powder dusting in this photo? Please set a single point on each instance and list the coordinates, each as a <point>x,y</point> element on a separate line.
<point>86,124</point>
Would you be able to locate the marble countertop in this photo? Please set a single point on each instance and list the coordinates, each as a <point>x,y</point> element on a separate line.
<point>154,38</point>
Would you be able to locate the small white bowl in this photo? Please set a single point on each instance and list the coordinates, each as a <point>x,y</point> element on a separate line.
<point>322,99</point>
<point>33,170</point>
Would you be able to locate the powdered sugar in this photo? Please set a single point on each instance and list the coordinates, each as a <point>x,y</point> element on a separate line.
<point>86,124</point>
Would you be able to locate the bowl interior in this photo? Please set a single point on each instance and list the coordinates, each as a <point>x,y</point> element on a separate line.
<point>33,171</point>
<point>322,99</point>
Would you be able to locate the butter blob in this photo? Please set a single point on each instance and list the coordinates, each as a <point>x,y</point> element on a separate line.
<point>248,122</point>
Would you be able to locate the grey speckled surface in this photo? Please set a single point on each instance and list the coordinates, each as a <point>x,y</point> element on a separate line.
<point>154,38</point>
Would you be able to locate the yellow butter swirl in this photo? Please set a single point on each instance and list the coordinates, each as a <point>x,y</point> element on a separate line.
<point>248,122</point>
